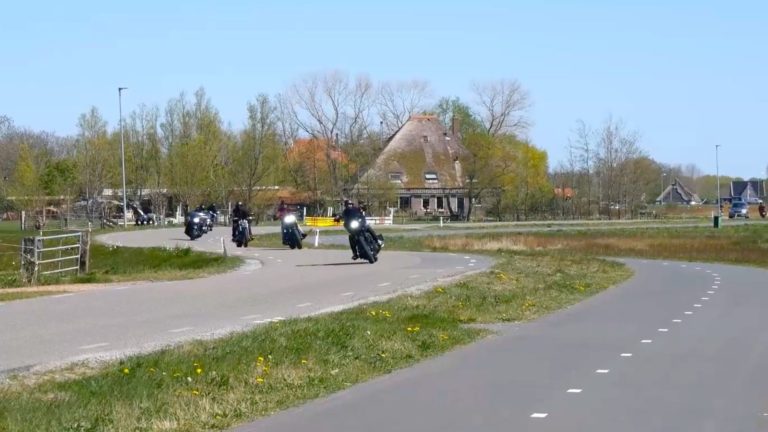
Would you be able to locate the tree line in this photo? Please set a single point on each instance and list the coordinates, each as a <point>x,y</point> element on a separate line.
<point>319,136</point>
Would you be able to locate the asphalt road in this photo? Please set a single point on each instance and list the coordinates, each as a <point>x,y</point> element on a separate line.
<point>274,284</point>
<point>679,347</point>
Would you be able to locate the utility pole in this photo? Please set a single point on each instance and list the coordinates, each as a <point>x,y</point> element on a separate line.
<point>122,154</point>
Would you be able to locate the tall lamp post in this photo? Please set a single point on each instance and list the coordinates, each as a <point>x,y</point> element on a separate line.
<point>717,172</point>
<point>122,154</point>
<point>662,187</point>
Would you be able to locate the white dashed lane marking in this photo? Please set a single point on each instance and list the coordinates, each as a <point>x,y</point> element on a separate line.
<point>574,391</point>
<point>304,305</point>
<point>697,305</point>
<point>179,330</point>
<point>602,371</point>
<point>385,284</point>
<point>677,321</point>
<point>626,354</point>
<point>663,330</point>
<point>646,341</point>
<point>96,345</point>
<point>62,295</point>
<point>347,294</point>
<point>710,292</point>
<point>539,415</point>
<point>705,298</point>
<point>688,313</point>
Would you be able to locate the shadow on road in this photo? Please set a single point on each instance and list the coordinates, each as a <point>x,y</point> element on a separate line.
<point>332,264</point>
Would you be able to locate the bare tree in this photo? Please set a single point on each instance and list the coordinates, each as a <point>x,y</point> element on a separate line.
<point>618,147</point>
<point>585,155</point>
<point>333,110</point>
<point>259,150</point>
<point>503,107</point>
<point>398,101</point>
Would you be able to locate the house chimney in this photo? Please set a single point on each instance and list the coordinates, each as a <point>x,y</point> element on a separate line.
<point>455,125</point>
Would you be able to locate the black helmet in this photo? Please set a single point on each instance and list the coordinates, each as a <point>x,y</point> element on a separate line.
<point>347,203</point>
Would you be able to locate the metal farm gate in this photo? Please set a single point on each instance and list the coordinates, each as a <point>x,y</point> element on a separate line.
<point>54,254</point>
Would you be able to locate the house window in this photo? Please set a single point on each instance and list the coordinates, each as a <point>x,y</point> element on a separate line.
<point>395,176</point>
<point>440,203</point>
<point>430,177</point>
<point>404,203</point>
<point>425,203</point>
<point>425,139</point>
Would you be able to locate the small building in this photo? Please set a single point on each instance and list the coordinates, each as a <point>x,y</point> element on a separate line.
<point>677,193</point>
<point>750,191</point>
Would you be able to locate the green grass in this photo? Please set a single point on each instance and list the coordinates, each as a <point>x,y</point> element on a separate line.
<point>739,244</point>
<point>212,385</point>
<point>116,264</point>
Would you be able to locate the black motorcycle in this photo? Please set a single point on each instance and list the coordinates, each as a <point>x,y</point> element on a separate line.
<point>291,234</point>
<point>195,226</point>
<point>242,233</point>
<point>368,247</point>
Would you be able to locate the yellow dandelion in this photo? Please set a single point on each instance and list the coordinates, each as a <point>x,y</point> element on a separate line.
<point>303,361</point>
<point>443,337</point>
<point>199,370</point>
<point>152,370</point>
<point>195,392</point>
<point>259,380</point>
<point>126,371</point>
<point>439,289</point>
<point>372,313</point>
<point>260,360</point>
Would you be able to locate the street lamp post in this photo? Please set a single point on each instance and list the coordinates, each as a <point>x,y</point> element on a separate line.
<point>662,187</point>
<point>717,172</point>
<point>122,154</point>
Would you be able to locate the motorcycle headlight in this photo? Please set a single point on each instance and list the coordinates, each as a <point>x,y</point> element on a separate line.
<point>289,219</point>
<point>354,224</point>
<point>196,220</point>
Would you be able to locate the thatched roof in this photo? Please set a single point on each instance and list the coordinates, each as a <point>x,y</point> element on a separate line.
<point>677,193</point>
<point>421,154</point>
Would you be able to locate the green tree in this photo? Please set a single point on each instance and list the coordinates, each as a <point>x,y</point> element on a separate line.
<point>26,187</point>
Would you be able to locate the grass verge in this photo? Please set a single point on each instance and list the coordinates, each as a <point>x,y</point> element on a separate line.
<point>117,264</point>
<point>741,244</point>
<point>212,385</point>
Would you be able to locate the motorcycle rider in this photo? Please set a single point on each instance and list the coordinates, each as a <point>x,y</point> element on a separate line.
<point>283,211</point>
<point>238,213</point>
<point>350,213</point>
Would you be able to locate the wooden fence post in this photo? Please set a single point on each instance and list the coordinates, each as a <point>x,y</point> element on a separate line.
<point>85,251</point>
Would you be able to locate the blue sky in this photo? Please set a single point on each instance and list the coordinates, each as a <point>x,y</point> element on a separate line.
<point>686,74</point>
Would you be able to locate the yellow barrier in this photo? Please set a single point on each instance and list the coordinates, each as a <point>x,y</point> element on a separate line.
<point>320,222</point>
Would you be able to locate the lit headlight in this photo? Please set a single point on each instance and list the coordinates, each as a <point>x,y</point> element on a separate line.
<point>289,219</point>
<point>354,224</point>
<point>196,220</point>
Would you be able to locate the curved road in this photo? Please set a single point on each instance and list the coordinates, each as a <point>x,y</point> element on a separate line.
<point>679,347</point>
<point>273,284</point>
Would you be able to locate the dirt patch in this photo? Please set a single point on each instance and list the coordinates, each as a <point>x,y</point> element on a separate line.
<point>68,287</point>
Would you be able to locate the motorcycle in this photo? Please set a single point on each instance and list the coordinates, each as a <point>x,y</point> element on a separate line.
<point>194,227</point>
<point>242,233</point>
<point>292,236</point>
<point>761,209</point>
<point>368,247</point>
